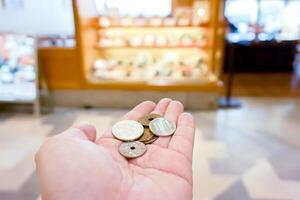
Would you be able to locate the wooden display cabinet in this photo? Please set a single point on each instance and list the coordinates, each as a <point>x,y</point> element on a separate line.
<point>89,32</point>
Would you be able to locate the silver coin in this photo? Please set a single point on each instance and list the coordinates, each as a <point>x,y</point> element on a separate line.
<point>127,130</point>
<point>162,127</point>
<point>132,149</point>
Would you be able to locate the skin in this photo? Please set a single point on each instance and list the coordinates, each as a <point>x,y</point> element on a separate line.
<point>74,165</point>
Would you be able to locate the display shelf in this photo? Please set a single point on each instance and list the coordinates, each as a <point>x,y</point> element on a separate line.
<point>153,47</point>
<point>94,43</point>
<point>160,81</point>
<point>205,25</point>
<point>158,85</point>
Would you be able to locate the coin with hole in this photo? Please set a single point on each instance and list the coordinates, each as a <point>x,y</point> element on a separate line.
<point>162,127</point>
<point>127,130</point>
<point>145,120</point>
<point>132,149</point>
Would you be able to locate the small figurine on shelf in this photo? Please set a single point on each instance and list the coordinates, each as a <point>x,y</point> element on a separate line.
<point>149,40</point>
<point>200,39</point>
<point>140,21</point>
<point>155,21</point>
<point>126,21</point>
<point>183,15</point>
<point>161,40</point>
<point>135,41</point>
<point>186,40</point>
<point>169,21</point>
<point>186,71</point>
<point>104,21</point>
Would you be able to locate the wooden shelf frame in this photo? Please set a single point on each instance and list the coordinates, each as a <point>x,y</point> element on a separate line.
<point>207,86</point>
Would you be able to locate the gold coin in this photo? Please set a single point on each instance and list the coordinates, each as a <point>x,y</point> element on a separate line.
<point>147,135</point>
<point>152,140</point>
<point>145,120</point>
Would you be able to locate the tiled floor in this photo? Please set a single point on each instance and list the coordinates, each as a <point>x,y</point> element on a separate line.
<point>252,153</point>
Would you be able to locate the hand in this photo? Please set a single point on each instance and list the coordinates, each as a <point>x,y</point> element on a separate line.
<point>73,165</point>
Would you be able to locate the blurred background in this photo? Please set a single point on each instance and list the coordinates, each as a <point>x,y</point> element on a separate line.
<point>235,64</point>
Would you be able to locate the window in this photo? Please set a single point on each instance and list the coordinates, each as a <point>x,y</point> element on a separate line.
<point>268,17</point>
<point>241,11</point>
<point>11,5</point>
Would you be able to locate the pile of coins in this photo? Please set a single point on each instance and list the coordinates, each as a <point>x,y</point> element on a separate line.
<point>137,134</point>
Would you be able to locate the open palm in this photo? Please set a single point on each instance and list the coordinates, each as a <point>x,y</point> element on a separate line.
<point>73,165</point>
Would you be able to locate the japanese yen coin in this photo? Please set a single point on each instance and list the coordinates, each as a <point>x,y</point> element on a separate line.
<point>132,149</point>
<point>162,127</point>
<point>127,130</point>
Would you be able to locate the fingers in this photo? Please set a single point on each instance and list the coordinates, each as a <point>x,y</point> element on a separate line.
<point>138,111</point>
<point>174,109</point>
<point>183,139</point>
<point>161,107</point>
<point>82,131</point>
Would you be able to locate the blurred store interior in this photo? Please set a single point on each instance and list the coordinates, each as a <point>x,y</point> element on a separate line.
<point>235,64</point>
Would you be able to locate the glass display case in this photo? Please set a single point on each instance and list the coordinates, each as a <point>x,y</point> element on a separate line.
<point>18,70</point>
<point>144,47</point>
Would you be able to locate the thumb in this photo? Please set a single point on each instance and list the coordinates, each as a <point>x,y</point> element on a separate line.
<point>84,131</point>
